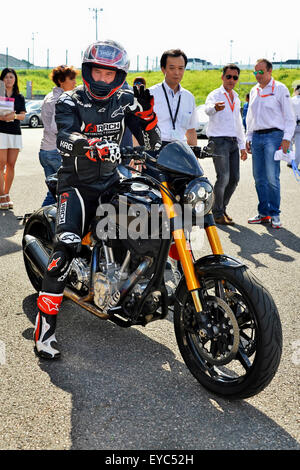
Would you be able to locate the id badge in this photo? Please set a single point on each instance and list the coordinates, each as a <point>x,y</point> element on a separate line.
<point>175,134</point>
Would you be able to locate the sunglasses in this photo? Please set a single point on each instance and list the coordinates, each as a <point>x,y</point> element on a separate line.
<point>261,72</point>
<point>235,77</point>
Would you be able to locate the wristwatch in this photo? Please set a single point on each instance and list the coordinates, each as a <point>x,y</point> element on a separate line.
<point>15,115</point>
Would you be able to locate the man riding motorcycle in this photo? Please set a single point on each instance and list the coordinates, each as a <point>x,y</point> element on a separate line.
<point>95,113</point>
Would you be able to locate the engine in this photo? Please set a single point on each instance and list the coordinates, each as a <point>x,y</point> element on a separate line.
<point>79,275</point>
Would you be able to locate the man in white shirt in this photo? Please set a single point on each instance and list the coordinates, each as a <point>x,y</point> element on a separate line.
<point>296,108</point>
<point>174,105</point>
<point>270,126</point>
<point>225,129</point>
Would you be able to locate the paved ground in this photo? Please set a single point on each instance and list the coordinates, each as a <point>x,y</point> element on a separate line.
<point>129,389</point>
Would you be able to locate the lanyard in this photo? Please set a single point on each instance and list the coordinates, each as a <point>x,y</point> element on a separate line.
<point>177,109</point>
<point>231,103</point>
<point>269,94</point>
<point>296,171</point>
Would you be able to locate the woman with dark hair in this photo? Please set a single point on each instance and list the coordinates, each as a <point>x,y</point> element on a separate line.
<point>10,136</point>
<point>64,78</point>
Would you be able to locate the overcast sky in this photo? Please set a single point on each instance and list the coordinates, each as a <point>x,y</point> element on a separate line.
<point>213,30</point>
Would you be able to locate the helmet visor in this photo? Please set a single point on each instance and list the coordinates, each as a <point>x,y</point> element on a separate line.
<point>107,55</point>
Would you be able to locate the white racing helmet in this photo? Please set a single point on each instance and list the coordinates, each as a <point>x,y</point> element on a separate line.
<point>108,55</point>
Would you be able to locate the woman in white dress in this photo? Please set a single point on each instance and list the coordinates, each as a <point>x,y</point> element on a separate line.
<point>10,136</point>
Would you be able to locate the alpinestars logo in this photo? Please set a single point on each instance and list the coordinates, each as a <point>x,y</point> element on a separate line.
<point>69,237</point>
<point>51,306</point>
<point>119,111</point>
<point>53,264</point>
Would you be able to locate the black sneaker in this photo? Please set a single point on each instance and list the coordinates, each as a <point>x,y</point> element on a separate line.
<point>44,336</point>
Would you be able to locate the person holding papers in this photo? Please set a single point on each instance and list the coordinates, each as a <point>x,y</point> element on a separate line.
<point>10,135</point>
<point>225,130</point>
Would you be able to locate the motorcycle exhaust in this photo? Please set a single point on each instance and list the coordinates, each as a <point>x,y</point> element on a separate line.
<point>38,257</point>
<point>36,254</point>
<point>87,306</point>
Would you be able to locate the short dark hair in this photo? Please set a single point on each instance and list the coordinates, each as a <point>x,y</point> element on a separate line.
<point>139,80</point>
<point>172,53</point>
<point>269,65</point>
<point>61,72</point>
<point>232,67</point>
<point>16,85</point>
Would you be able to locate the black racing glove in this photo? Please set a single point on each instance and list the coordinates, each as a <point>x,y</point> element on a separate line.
<point>144,99</point>
<point>144,107</point>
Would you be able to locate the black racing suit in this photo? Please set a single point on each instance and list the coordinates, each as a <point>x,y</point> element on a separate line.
<point>81,180</point>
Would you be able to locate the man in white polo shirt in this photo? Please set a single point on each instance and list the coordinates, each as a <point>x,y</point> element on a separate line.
<point>225,129</point>
<point>270,125</point>
<point>174,105</point>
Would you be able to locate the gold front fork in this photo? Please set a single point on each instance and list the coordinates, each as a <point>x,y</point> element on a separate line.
<point>185,254</point>
<point>214,240</point>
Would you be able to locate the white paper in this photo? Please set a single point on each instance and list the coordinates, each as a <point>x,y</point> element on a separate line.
<point>287,157</point>
<point>7,105</point>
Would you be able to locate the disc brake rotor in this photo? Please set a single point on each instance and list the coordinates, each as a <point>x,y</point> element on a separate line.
<point>222,346</point>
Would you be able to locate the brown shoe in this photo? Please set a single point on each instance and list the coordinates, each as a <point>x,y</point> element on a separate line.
<point>228,217</point>
<point>223,221</point>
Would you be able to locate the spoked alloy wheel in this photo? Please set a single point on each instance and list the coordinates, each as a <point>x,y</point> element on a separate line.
<point>34,122</point>
<point>238,354</point>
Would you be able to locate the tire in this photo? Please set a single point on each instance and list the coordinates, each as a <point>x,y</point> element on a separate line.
<point>34,122</point>
<point>254,322</point>
<point>37,227</point>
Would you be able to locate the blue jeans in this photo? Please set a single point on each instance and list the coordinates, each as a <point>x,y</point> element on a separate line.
<point>266,171</point>
<point>50,161</point>
<point>227,167</point>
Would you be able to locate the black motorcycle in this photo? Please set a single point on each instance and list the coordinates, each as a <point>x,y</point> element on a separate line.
<point>226,323</point>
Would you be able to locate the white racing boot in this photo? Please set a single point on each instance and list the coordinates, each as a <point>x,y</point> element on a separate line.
<point>45,324</point>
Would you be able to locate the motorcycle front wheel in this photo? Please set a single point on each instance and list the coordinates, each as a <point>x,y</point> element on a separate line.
<point>241,354</point>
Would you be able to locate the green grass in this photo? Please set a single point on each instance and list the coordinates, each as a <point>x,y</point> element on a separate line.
<point>200,83</point>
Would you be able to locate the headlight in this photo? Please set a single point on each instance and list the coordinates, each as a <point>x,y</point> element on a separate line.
<point>199,193</point>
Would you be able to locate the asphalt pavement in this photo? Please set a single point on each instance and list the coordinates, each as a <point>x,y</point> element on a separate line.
<point>128,389</point>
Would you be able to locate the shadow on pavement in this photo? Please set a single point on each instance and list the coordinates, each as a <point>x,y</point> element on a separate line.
<point>130,391</point>
<point>9,225</point>
<point>252,243</point>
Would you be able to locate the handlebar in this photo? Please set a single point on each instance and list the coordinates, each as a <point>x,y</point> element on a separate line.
<point>205,152</point>
<point>134,153</point>
<point>140,155</point>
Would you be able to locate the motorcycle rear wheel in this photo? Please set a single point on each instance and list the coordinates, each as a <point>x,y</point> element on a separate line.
<point>253,312</point>
<point>37,227</point>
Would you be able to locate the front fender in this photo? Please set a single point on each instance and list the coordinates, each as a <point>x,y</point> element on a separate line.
<point>210,262</point>
<point>217,261</point>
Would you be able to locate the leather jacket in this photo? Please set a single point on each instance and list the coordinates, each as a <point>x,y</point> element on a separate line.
<point>79,118</point>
